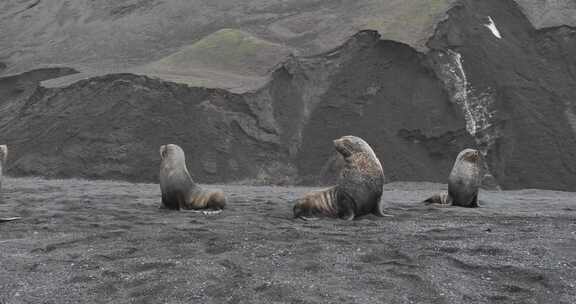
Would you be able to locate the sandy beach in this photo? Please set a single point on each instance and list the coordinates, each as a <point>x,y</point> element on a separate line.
<point>108,242</point>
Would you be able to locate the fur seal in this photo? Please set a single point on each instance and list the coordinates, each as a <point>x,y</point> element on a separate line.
<point>359,186</point>
<point>179,191</point>
<point>3,156</point>
<point>463,183</point>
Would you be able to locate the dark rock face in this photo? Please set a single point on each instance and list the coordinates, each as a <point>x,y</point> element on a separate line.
<point>112,127</point>
<point>490,81</point>
<point>521,92</point>
<point>384,94</point>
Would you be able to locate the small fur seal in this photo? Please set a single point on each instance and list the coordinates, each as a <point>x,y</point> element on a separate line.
<point>359,187</point>
<point>463,183</point>
<point>3,156</point>
<point>179,191</point>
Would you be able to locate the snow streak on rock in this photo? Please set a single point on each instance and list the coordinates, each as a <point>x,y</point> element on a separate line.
<point>492,27</point>
<point>475,105</point>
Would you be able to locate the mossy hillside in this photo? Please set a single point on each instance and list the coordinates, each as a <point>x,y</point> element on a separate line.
<point>227,49</point>
<point>409,20</point>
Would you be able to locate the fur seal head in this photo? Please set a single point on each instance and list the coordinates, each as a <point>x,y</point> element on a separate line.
<point>349,146</point>
<point>174,154</point>
<point>467,167</point>
<point>469,155</point>
<point>173,163</point>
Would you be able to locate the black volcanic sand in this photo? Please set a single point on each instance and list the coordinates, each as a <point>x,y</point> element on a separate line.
<point>101,242</point>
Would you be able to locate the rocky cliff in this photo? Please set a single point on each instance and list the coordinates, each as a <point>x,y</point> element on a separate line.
<point>497,75</point>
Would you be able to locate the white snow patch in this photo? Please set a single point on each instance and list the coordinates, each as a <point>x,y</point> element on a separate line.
<point>492,27</point>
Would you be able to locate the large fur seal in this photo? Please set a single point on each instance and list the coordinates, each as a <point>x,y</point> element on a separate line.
<point>179,191</point>
<point>463,183</point>
<point>359,185</point>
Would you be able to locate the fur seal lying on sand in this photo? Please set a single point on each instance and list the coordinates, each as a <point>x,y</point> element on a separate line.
<point>463,183</point>
<point>359,185</point>
<point>179,191</point>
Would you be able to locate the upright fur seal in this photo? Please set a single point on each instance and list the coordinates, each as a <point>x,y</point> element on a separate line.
<point>463,183</point>
<point>3,156</point>
<point>179,191</point>
<point>359,187</point>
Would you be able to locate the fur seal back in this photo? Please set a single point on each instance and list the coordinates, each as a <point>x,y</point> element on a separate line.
<point>359,187</point>
<point>179,191</point>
